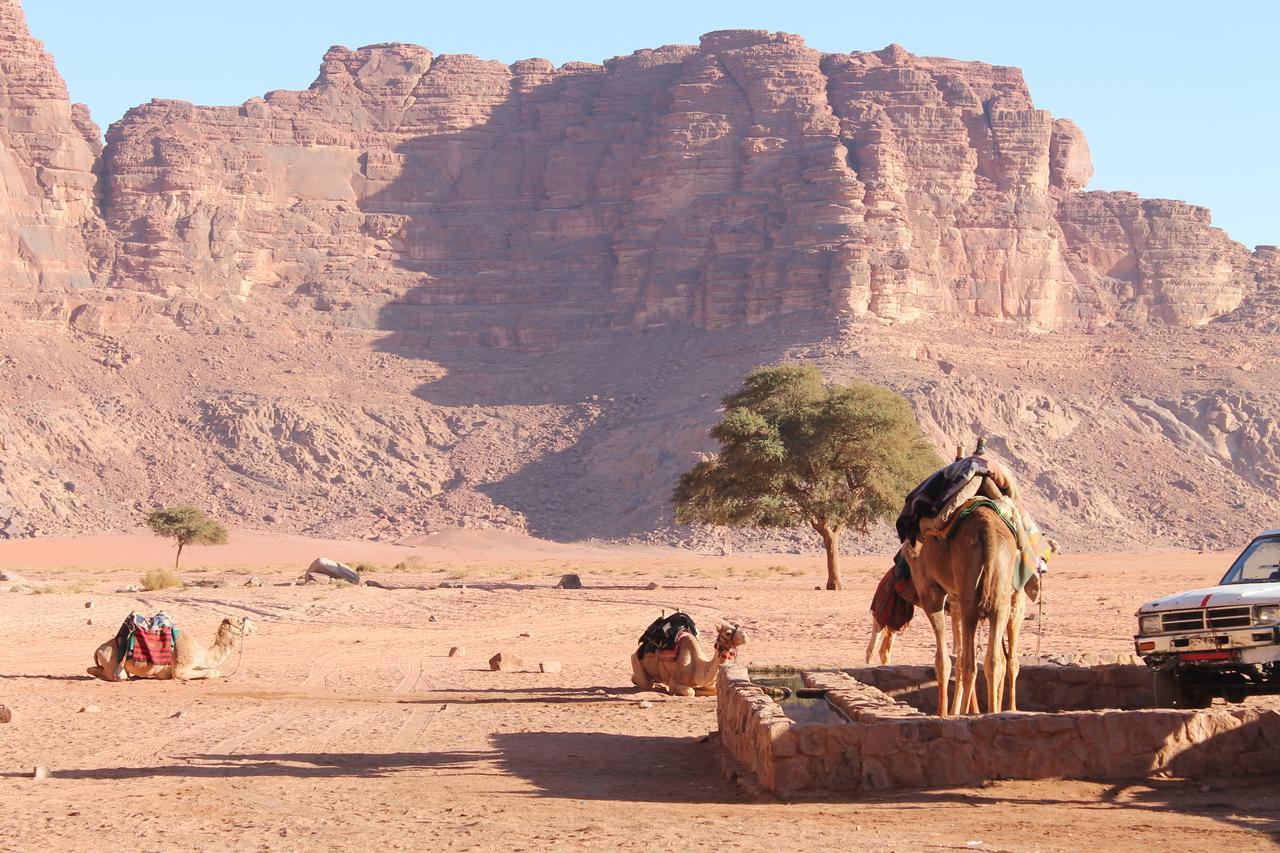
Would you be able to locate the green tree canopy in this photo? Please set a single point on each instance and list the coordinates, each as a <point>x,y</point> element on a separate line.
<point>188,525</point>
<point>797,451</point>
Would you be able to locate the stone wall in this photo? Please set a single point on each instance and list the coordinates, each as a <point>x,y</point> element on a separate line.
<point>889,744</point>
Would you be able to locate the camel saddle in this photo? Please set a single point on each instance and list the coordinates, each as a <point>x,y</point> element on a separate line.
<point>147,640</point>
<point>662,636</point>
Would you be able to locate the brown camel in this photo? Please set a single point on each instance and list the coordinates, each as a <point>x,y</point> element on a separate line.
<point>881,645</point>
<point>974,567</point>
<point>192,660</point>
<point>687,670</point>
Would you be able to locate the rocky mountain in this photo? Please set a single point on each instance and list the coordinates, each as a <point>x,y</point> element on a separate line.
<point>438,290</point>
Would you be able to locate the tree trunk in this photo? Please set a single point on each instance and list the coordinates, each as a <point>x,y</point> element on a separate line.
<point>179,556</point>
<point>830,541</point>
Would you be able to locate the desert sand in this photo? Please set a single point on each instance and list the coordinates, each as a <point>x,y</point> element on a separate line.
<point>346,725</point>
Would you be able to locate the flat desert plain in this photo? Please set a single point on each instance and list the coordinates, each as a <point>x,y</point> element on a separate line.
<point>346,725</point>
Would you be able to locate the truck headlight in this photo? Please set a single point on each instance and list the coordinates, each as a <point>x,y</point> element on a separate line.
<point>1151,624</point>
<point>1266,613</point>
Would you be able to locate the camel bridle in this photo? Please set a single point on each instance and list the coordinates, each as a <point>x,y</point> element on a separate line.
<point>727,649</point>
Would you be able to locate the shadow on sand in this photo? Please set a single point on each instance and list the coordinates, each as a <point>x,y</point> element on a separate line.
<point>624,768</point>
<point>323,765</point>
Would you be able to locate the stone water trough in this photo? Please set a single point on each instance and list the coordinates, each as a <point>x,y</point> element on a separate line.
<point>1079,722</point>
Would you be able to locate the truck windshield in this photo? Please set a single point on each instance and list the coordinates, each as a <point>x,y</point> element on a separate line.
<point>1260,562</point>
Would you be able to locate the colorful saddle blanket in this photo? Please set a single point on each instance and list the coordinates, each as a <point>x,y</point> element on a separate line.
<point>894,602</point>
<point>664,633</point>
<point>148,640</point>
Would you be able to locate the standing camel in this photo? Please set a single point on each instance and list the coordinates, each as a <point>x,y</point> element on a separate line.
<point>974,567</point>
<point>881,645</point>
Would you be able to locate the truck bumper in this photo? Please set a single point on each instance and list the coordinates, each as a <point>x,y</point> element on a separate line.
<point>1209,648</point>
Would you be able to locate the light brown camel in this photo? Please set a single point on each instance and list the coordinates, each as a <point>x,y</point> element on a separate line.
<point>191,660</point>
<point>1017,613</point>
<point>974,567</point>
<point>687,670</point>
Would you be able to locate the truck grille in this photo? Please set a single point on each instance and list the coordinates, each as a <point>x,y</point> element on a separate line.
<point>1214,619</point>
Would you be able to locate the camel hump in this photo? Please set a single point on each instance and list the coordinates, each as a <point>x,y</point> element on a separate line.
<point>664,632</point>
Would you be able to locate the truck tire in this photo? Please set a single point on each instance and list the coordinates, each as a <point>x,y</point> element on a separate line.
<point>1170,692</point>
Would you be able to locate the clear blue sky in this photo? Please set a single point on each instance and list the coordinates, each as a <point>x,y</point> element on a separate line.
<point>1178,99</point>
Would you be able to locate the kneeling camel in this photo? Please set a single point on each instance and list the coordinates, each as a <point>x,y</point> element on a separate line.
<point>191,659</point>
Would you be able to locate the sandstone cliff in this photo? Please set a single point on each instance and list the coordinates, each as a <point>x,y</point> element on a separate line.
<point>272,309</point>
<point>714,186</point>
<point>48,155</point>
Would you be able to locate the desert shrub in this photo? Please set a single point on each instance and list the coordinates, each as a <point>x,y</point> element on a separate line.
<point>155,579</point>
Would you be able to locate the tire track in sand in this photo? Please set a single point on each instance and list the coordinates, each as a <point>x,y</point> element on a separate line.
<point>138,753</point>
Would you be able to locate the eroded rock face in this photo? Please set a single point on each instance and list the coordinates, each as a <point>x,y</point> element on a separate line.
<point>51,238</point>
<point>714,186</point>
<point>267,309</point>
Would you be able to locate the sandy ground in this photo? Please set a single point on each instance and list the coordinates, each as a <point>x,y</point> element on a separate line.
<point>345,725</point>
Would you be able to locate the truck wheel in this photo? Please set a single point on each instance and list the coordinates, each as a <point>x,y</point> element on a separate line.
<point>1170,692</point>
<point>1196,699</point>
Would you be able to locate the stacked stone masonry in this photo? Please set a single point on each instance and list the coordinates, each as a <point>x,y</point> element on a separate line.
<point>890,744</point>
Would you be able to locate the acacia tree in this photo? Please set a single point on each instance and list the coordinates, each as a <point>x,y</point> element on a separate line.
<point>188,525</point>
<point>796,451</point>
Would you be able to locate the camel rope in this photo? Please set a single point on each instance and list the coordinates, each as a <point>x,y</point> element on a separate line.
<point>244,638</point>
<point>1040,617</point>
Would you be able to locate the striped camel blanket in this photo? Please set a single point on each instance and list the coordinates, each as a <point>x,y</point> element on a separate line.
<point>148,640</point>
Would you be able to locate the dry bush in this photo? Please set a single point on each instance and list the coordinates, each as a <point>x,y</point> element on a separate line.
<point>155,579</point>
<point>54,589</point>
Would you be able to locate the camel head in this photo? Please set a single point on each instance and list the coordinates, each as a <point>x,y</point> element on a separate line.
<point>236,627</point>
<point>728,638</point>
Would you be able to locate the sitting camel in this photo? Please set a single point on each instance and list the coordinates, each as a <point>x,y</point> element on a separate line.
<point>191,660</point>
<point>974,568</point>
<point>686,670</point>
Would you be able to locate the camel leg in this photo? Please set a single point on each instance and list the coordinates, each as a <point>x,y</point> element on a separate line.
<point>681,690</point>
<point>193,674</point>
<point>105,666</point>
<point>995,667</point>
<point>886,648</point>
<point>639,677</point>
<point>999,622</point>
<point>941,662</point>
<point>1017,613</point>
<point>956,644</point>
<point>967,678</point>
<point>875,636</point>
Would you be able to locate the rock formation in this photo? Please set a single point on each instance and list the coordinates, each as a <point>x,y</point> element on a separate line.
<point>438,290</point>
<point>714,186</point>
<point>49,152</point>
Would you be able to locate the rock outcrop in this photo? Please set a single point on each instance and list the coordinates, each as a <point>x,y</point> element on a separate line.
<point>51,238</point>
<point>714,186</point>
<point>271,309</point>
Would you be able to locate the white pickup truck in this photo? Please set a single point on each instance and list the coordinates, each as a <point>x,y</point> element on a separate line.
<point>1221,641</point>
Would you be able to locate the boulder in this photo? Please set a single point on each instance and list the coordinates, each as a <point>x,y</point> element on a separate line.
<point>325,567</point>
<point>505,662</point>
<point>570,582</point>
<point>7,576</point>
<point>6,716</point>
<point>549,666</point>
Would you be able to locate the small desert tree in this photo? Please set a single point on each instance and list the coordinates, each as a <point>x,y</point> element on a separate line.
<point>796,451</point>
<point>188,525</point>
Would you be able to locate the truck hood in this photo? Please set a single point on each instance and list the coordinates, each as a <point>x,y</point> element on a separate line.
<point>1216,596</point>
